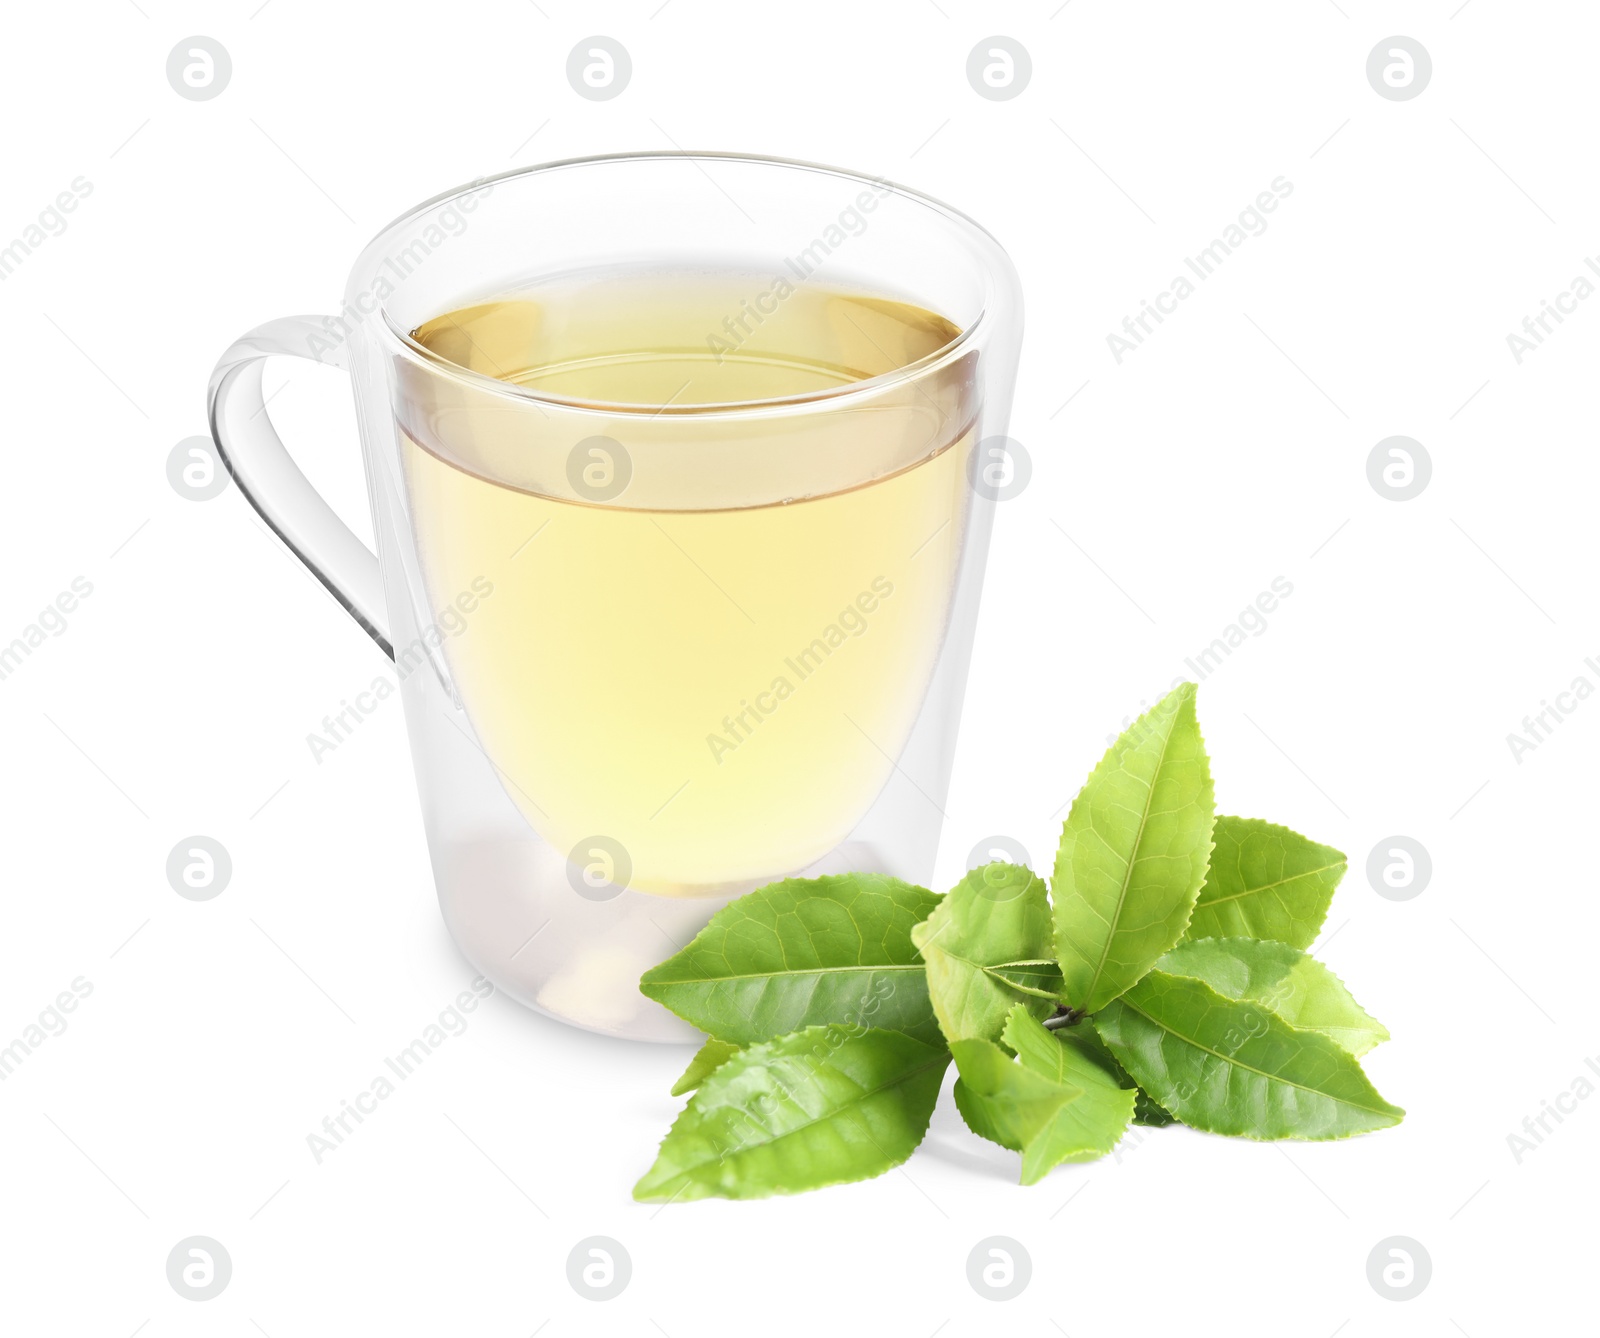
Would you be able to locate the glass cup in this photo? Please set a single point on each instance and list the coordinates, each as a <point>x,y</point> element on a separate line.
<point>657,654</point>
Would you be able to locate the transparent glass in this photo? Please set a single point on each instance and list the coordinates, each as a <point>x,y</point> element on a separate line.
<point>658,650</point>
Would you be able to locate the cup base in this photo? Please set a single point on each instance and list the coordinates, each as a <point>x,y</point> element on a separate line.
<point>515,917</point>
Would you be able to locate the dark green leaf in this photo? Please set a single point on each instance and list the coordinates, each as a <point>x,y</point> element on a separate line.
<point>1235,1067</point>
<point>1148,1113</point>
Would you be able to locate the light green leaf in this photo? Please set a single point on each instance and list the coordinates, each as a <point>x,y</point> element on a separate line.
<point>1087,1040</point>
<point>1133,854</point>
<point>1041,979</point>
<point>820,1107</point>
<point>996,918</point>
<point>802,952</point>
<point>1234,1067</point>
<point>1298,988</point>
<point>707,1059</point>
<point>1266,881</point>
<point>1087,1126</point>
<point>1000,1099</point>
<point>1058,1054</point>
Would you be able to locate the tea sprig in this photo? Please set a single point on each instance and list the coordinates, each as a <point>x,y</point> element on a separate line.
<point>1161,977</point>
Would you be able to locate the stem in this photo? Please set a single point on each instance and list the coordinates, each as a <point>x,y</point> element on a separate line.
<point>1063,1017</point>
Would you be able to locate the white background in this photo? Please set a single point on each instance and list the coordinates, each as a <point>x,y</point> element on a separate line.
<point>1229,450</point>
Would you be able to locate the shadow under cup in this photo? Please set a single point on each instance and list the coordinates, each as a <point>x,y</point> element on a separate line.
<point>655,654</point>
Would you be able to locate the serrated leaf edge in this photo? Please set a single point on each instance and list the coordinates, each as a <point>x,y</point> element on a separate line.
<point>1398,1111</point>
<point>1342,863</point>
<point>1024,989</point>
<point>1244,938</point>
<point>1191,696</point>
<point>941,1057</point>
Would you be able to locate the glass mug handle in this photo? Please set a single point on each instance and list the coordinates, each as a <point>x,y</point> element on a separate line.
<point>255,456</point>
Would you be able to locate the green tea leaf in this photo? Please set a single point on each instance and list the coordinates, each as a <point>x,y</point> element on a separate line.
<point>1055,1102</point>
<point>1088,1041</point>
<point>820,1107</point>
<point>802,952</point>
<point>1057,1055</point>
<point>1148,1113</point>
<point>1000,1099</point>
<point>1133,854</point>
<point>995,920</point>
<point>1266,881</point>
<point>1041,979</point>
<point>1086,1127</point>
<point>1083,1036</point>
<point>1234,1067</point>
<point>707,1059</point>
<point>1299,989</point>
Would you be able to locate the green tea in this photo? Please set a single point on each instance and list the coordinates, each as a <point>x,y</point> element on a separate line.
<point>723,691</point>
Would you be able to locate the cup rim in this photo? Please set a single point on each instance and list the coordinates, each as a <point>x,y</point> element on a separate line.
<point>828,397</point>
